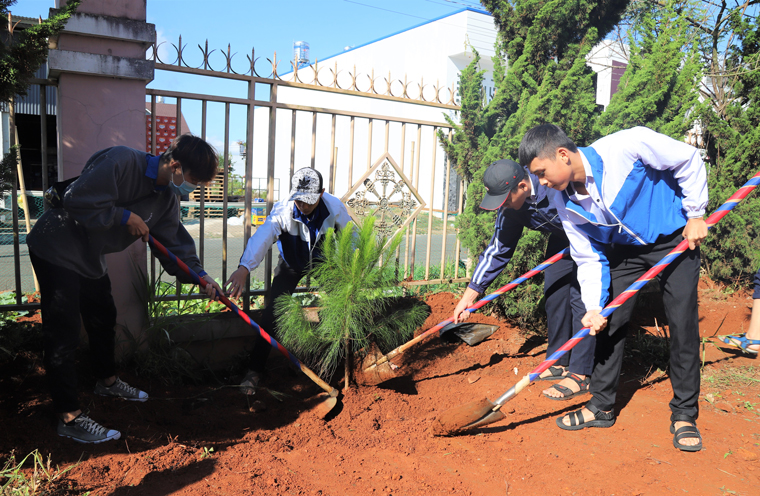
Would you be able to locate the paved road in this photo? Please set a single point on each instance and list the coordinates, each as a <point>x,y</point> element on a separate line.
<point>213,259</point>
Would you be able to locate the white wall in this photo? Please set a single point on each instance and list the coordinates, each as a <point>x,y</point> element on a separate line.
<point>600,60</point>
<point>432,53</point>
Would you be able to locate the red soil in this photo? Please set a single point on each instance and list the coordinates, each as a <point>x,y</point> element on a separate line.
<point>377,441</point>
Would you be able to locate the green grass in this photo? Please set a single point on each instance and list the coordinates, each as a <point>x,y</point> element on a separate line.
<point>9,298</point>
<point>422,224</point>
<point>39,479</point>
<point>732,377</point>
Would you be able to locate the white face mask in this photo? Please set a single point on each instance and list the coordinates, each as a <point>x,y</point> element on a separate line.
<point>183,189</point>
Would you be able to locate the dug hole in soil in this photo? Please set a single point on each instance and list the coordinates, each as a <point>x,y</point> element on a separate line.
<point>378,441</point>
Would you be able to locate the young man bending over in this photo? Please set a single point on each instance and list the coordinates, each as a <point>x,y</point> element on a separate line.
<point>626,201</point>
<point>523,203</point>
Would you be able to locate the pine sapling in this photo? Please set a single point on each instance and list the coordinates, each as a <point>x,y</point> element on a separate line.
<point>359,302</point>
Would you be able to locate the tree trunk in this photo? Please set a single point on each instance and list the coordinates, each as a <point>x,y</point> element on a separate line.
<point>348,362</point>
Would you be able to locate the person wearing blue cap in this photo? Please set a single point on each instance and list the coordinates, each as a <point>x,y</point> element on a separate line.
<point>522,202</point>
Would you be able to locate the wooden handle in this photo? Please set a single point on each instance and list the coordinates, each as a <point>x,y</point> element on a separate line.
<point>401,349</point>
<point>314,377</point>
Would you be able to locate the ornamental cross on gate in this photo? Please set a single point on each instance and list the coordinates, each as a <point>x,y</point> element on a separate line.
<point>385,192</point>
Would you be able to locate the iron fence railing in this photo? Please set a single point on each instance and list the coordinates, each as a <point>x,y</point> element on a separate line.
<point>279,131</point>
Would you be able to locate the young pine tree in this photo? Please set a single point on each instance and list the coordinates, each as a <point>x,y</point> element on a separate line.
<point>359,302</point>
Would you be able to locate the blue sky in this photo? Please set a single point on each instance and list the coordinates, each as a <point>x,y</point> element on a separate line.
<point>269,26</point>
<point>329,26</point>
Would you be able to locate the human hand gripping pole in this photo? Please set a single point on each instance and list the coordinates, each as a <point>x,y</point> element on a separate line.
<point>484,412</point>
<point>487,299</point>
<point>331,391</point>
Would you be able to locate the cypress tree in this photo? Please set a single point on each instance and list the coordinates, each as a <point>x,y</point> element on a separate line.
<point>541,75</point>
<point>659,88</point>
<point>730,123</point>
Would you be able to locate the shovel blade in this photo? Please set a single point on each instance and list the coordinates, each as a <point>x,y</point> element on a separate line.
<point>491,418</point>
<point>372,374</point>
<point>462,417</point>
<point>470,333</point>
<point>324,404</point>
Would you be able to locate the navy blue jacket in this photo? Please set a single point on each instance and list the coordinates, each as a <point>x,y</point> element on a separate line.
<point>537,213</point>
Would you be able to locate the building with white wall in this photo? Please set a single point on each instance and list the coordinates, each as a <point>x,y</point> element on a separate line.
<point>425,61</point>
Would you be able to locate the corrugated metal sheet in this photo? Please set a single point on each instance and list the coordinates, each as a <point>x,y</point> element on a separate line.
<point>30,104</point>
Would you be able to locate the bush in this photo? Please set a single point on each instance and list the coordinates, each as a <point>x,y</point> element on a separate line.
<point>523,306</point>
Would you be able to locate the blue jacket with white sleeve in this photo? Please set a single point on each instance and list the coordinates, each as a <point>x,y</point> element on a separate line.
<point>641,185</point>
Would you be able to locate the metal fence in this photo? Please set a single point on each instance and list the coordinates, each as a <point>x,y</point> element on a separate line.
<point>385,164</point>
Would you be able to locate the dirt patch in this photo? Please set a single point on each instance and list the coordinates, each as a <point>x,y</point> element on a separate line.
<point>198,440</point>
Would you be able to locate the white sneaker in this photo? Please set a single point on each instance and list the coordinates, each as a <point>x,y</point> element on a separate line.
<point>120,389</point>
<point>85,430</point>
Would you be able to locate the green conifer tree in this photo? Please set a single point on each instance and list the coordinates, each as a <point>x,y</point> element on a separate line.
<point>359,302</point>
<point>541,75</point>
<point>659,89</point>
<point>730,123</point>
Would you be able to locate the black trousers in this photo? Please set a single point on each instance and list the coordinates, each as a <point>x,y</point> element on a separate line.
<point>565,309</point>
<point>285,281</point>
<point>64,296</point>
<point>678,282</point>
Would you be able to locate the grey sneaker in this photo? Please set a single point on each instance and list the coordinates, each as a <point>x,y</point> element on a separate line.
<point>85,430</point>
<point>120,389</point>
<point>250,383</point>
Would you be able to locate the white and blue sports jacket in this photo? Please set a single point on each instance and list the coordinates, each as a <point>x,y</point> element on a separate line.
<point>283,226</point>
<point>537,213</point>
<point>641,185</point>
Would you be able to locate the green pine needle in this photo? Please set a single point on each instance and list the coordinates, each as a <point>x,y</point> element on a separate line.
<point>359,301</point>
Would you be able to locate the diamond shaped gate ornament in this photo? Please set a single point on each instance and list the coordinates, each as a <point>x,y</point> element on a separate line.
<point>385,192</point>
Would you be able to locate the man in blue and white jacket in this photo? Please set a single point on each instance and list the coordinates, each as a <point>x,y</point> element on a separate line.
<point>523,203</point>
<point>628,200</point>
<point>298,226</point>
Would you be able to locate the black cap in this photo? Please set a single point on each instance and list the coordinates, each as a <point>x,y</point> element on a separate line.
<point>500,179</point>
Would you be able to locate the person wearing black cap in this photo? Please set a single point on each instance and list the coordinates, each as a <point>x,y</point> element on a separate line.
<point>298,225</point>
<point>522,202</point>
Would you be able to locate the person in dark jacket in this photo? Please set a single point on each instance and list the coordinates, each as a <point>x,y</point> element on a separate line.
<point>298,226</point>
<point>523,203</point>
<point>121,196</point>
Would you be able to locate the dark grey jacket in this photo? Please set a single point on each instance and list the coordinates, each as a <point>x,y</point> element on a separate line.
<point>90,224</point>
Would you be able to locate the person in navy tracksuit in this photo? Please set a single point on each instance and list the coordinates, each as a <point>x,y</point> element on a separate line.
<point>522,202</point>
<point>626,201</point>
<point>298,225</point>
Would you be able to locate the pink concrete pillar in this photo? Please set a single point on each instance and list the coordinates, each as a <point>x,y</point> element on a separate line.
<point>99,60</point>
